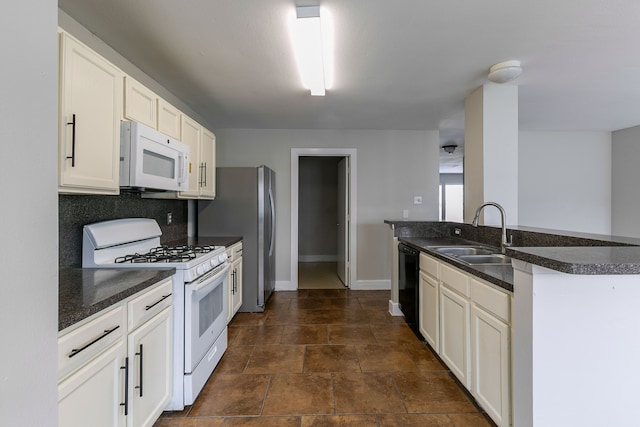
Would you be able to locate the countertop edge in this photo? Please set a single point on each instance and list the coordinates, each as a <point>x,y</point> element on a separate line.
<point>70,282</point>
<point>602,267</point>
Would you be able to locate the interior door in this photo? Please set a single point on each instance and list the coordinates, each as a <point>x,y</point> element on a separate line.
<point>343,220</point>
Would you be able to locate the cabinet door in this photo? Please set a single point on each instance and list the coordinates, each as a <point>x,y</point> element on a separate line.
<point>140,104</point>
<point>191,134</point>
<point>208,165</point>
<point>429,310</point>
<point>150,373</point>
<point>491,365</point>
<point>169,119</point>
<point>237,294</point>
<point>93,395</point>
<point>89,145</point>
<point>454,333</point>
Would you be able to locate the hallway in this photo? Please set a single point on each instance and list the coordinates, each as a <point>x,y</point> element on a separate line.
<point>330,357</point>
<point>319,275</point>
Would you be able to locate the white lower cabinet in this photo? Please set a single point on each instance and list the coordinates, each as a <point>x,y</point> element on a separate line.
<point>150,375</point>
<point>467,322</point>
<point>429,310</point>
<point>92,396</point>
<point>234,254</point>
<point>491,365</point>
<point>110,378</point>
<point>454,333</point>
<point>491,350</point>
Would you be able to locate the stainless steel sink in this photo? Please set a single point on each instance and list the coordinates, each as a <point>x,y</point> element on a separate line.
<point>493,259</point>
<point>466,250</point>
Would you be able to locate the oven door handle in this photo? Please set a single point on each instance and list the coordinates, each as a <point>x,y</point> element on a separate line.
<point>206,280</point>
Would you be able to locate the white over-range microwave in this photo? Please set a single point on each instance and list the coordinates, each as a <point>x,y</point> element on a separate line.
<point>150,160</point>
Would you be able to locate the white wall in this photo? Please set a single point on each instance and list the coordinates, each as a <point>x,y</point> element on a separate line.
<point>625,182</point>
<point>393,166</point>
<point>29,214</point>
<point>564,181</point>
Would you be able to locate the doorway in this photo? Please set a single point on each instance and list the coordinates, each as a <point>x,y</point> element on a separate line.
<point>321,205</point>
<point>322,218</point>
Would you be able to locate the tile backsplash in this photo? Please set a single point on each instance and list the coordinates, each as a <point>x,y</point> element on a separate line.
<point>77,210</point>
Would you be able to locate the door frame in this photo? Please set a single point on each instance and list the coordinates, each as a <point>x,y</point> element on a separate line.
<point>351,249</point>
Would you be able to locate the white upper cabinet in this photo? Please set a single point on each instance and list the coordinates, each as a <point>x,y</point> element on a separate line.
<point>89,120</point>
<point>169,119</point>
<point>144,106</point>
<point>202,162</point>
<point>94,97</point>
<point>140,104</point>
<point>208,165</point>
<point>191,135</point>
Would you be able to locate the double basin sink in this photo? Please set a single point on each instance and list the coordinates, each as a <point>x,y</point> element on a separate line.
<point>474,255</point>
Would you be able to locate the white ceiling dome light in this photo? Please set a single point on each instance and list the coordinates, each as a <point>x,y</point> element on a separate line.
<point>504,72</point>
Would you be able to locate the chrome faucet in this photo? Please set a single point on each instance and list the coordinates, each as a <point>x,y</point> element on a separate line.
<point>504,242</point>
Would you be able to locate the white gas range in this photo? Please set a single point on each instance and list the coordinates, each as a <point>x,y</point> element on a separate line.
<point>199,293</point>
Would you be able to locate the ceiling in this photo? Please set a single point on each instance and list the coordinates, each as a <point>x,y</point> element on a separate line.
<point>402,64</point>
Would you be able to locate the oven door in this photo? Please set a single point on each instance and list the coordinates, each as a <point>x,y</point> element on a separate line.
<point>206,307</point>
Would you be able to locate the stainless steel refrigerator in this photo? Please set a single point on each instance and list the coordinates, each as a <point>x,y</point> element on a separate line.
<point>245,206</point>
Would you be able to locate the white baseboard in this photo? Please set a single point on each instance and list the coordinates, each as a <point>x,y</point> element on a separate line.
<point>371,285</point>
<point>284,285</point>
<point>360,285</point>
<point>394,309</point>
<point>318,258</point>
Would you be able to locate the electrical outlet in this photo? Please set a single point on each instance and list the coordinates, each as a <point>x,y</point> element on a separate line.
<point>417,200</point>
<point>169,218</point>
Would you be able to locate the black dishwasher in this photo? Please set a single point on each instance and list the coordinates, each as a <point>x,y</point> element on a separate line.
<point>408,289</point>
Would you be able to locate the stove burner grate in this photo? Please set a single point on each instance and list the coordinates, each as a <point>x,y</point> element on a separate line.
<point>182,253</point>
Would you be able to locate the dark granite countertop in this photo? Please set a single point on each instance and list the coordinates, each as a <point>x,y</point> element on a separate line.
<point>564,251</point>
<point>500,275</point>
<point>591,260</point>
<point>225,241</point>
<point>83,292</point>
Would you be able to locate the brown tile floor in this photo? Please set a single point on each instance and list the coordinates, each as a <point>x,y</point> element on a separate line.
<point>327,358</point>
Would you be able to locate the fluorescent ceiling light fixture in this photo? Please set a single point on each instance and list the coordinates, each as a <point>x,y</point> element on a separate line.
<point>312,41</point>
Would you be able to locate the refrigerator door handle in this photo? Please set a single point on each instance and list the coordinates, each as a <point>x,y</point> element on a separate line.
<point>273,222</point>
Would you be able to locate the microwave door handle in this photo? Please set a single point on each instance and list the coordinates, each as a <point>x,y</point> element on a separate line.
<point>184,164</point>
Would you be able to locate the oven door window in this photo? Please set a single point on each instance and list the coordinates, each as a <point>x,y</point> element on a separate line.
<point>209,308</point>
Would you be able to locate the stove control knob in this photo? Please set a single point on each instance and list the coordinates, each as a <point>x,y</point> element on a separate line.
<point>222,257</point>
<point>213,262</point>
<point>199,270</point>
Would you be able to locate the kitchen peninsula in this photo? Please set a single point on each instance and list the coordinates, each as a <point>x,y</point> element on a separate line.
<point>574,320</point>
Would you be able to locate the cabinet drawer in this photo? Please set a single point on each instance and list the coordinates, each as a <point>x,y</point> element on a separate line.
<point>454,279</point>
<point>234,252</point>
<point>492,299</point>
<point>237,251</point>
<point>85,342</point>
<point>149,304</point>
<point>429,265</point>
